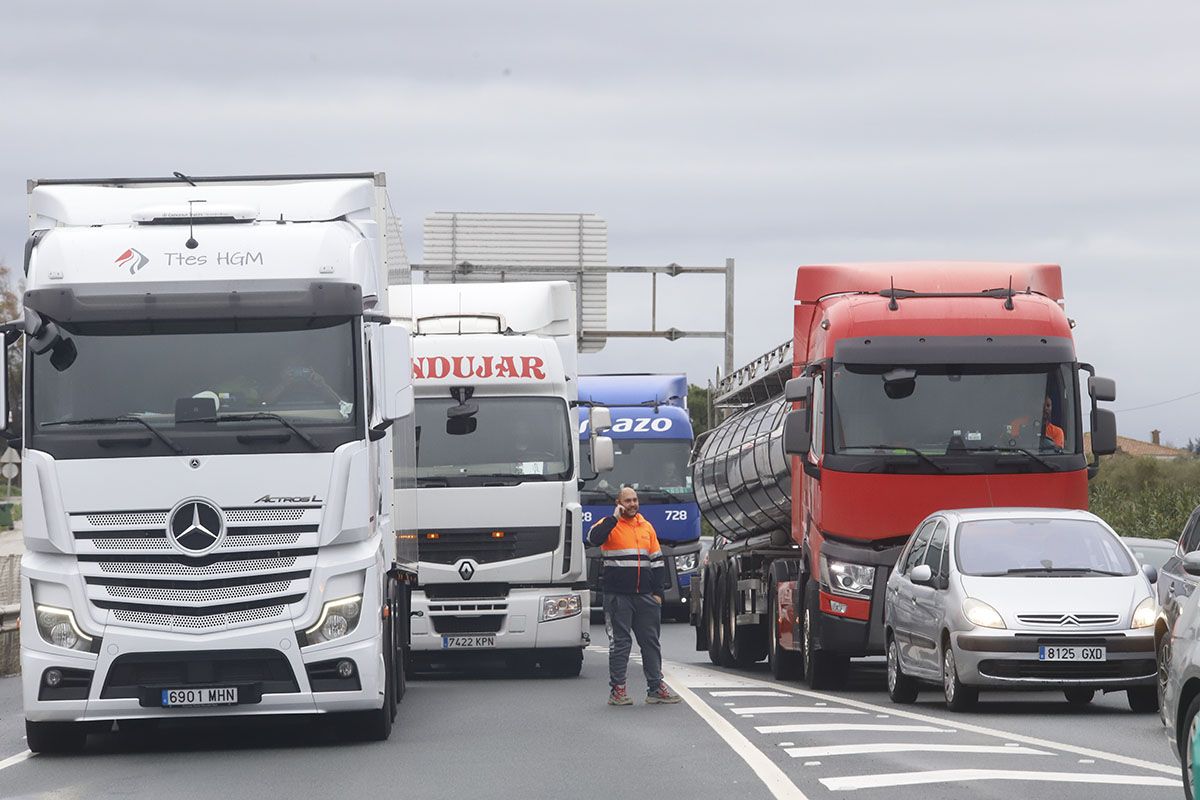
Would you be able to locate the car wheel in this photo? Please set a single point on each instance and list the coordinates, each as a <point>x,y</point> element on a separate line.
<point>901,688</point>
<point>1079,695</point>
<point>1191,727</point>
<point>1143,699</point>
<point>958,696</point>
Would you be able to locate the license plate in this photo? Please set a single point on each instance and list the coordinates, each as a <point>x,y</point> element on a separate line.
<point>455,642</point>
<point>209,696</point>
<point>1058,653</point>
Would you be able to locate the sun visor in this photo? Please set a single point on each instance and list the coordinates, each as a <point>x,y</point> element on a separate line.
<point>197,300</point>
<point>959,350</point>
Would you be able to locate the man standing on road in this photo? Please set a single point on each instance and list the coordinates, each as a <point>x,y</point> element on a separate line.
<point>633,577</point>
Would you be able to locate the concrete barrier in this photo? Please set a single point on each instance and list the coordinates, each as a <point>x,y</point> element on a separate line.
<point>10,597</point>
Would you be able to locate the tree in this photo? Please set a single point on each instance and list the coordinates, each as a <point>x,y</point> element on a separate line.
<point>698,409</point>
<point>11,289</point>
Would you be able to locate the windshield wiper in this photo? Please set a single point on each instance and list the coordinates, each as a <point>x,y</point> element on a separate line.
<point>1053,570</point>
<point>308,440</point>
<point>1048,465</point>
<point>162,437</point>
<point>912,450</point>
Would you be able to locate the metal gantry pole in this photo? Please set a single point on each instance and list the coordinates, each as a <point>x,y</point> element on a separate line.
<point>728,315</point>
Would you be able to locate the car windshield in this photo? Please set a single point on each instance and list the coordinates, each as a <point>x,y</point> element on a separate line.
<point>512,440</point>
<point>1025,547</point>
<point>657,469</point>
<point>1153,554</point>
<point>938,409</point>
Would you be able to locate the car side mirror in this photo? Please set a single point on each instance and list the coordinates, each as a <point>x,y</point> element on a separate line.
<point>922,574</point>
<point>599,418</point>
<point>1151,572</point>
<point>603,454</point>
<point>1104,432</point>
<point>797,438</point>
<point>798,389</point>
<point>1191,563</point>
<point>396,392</point>
<point>1103,390</point>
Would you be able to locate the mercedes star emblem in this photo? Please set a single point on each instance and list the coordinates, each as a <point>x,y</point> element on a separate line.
<point>466,570</point>
<point>195,526</point>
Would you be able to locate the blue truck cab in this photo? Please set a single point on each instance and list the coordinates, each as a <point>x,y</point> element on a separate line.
<point>652,437</point>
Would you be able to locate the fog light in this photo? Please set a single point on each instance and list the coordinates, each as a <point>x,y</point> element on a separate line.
<point>345,668</point>
<point>53,677</point>
<point>838,608</point>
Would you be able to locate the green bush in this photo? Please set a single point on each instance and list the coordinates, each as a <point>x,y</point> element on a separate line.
<point>1145,496</point>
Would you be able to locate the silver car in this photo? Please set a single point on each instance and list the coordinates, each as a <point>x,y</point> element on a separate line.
<point>1019,598</point>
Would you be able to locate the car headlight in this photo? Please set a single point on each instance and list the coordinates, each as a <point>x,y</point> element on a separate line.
<point>1145,614</point>
<point>560,606</point>
<point>338,618</point>
<point>685,562</point>
<point>980,613</point>
<point>842,577</point>
<point>57,627</point>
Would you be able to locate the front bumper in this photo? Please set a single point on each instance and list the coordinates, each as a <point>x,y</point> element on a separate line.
<point>1006,658</point>
<point>512,619</point>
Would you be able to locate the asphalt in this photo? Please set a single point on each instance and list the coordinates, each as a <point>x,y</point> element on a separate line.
<point>488,733</point>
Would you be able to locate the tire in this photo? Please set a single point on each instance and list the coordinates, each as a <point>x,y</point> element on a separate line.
<point>747,643</point>
<point>562,663</point>
<point>959,697</point>
<point>727,630</point>
<point>786,665</point>
<point>822,669</point>
<point>712,616</point>
<point>55,737</point>
<point>1079,695</point>
<point>1142,699</point>
<point>1189,730</point>
<point>902,689</point>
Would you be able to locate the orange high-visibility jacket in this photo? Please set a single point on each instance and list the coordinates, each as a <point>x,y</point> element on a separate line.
<point>632,559</point>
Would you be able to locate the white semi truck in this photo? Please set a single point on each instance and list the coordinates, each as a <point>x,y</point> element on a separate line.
<point>501,562</point>
<point>207,442</point>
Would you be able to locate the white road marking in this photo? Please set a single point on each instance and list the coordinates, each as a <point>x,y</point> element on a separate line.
<point>698,676</point>
<point>774,778</point>
<point>908,747</point>
<point>793,710</point>
<point>787,744</point>
<point>854,782</point>
<point>849,726</point>
<point>14,760</point>
<point>812,763</point>
<point>749,693</point>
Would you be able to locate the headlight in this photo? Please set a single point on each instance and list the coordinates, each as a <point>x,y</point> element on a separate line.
<point>842,577</point>
<point>560,606</point>
<point>685,562</point>
<point>57,627</point>
<point>338,618</point>
<point>980,613</point>
<point>1145,614</point>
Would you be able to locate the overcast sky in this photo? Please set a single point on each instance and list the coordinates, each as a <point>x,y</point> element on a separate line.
<point>776,134</point>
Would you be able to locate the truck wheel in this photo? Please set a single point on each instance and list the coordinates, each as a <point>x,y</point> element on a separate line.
<point>562,663</point>
<point>55,737</point>
<point>374,725</point>
<point>901,688</point>
<point>822,669</point>
<point>786,665</point>
<point>958,696</point>
<point>1142,699</point>
<point>727,627</point>
<point>712,617</point>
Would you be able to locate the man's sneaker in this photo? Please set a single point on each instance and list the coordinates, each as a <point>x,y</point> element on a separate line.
<point>662,695</point>
<point>619,697</point>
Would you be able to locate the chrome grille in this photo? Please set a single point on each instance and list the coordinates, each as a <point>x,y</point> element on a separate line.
<point>263,515</point>
<point>128,519</point>
<point>174,595</point>
<point>1069,620</point>
<point>209,621</point>
<point>219,568</point>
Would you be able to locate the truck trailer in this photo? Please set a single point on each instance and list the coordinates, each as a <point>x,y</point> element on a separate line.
<point>206,440</point>
<point>906,388</point>
<point>501,561</point>
<point>652,439</point>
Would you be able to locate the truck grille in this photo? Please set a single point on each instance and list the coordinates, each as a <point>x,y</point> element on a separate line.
<point>482,547</point>
<point>263,564</point>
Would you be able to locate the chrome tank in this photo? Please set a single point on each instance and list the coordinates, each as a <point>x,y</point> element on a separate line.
<point>740,473</point>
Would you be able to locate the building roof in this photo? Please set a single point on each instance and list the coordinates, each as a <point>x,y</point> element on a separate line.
<point>1136,447</point>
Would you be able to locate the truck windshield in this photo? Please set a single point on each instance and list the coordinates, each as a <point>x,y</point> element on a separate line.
<point>515,439</point>
<point>657,469</point>
<point>236,385</point>
<point>942,410</point>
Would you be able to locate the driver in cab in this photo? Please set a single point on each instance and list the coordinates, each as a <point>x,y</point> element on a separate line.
<point>1048,431</point>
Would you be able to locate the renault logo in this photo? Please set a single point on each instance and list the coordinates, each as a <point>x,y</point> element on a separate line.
<point>195,526</point>
<point>466,570</point>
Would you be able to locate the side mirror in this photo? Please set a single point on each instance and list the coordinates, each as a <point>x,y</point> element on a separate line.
<point>1104,432</point>
<point>1191,563</point>
<point>395,394</point>
<point>603,456</point>
<point>1103,390</point>
<point>922,574</point>
<point>599,418</point>
<point>1151,572</point>
<point>797,438</point>
<point>798,389</point>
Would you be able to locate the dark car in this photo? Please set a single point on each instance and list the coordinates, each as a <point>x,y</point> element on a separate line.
<point>1175,586</point>
<point>1155,552</point>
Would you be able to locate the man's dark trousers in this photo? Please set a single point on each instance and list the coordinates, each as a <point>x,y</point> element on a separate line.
<point>639,615</point>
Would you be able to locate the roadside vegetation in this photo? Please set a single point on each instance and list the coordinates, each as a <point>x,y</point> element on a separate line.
<point>1145,496</point>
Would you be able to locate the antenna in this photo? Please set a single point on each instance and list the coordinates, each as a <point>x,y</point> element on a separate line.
<point>1008,303</point>
<point>892,304</point>
<point>183,177</point>
<point>191,243</point>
